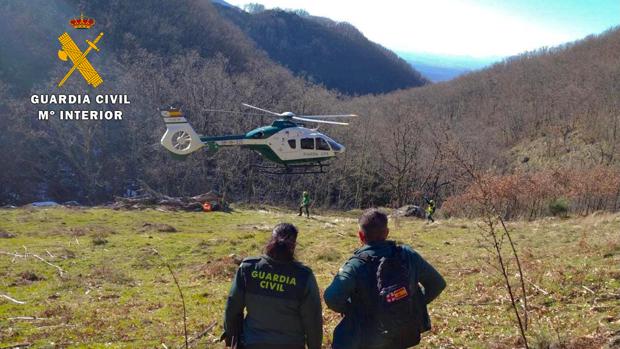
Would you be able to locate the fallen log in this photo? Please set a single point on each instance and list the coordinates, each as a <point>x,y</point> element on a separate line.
<point>152,199</point>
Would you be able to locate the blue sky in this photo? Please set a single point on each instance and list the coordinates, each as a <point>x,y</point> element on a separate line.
<point>476,28</point>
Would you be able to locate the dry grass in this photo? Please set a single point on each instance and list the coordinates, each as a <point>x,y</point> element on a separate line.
<point>120,293</point>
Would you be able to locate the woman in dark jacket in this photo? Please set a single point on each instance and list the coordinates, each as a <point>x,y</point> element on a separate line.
<point>281,297</point>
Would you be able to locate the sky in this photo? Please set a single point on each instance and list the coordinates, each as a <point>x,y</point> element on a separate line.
<point>475,28</point>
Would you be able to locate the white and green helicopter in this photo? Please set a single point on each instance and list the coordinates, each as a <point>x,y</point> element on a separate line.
<point>294,148</point>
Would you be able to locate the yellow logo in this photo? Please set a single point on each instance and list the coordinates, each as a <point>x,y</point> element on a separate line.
<point>274,282</point>
<point>78,58</point>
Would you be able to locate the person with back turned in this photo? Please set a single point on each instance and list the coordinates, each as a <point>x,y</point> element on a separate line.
<point>305,204</point>
<point>280,296</point>
<point>378,291</point>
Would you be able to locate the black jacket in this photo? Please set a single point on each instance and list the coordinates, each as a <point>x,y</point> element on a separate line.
<point>351,332</point>
<point>282,301</point>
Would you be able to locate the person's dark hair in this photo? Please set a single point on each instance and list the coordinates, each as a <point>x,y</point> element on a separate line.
<point>281,245</point>
<point>373,223</point>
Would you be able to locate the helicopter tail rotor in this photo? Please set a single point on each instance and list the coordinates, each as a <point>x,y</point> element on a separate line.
<point>180,138</point>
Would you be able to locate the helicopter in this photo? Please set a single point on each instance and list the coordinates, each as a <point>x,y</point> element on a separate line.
<point>293,148</point>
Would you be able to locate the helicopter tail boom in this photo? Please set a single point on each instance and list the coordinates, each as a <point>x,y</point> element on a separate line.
<point>179,138</point>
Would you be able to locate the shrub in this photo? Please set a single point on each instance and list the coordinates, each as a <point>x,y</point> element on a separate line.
<point>534,194</point>
<point>559,207</point>
<point>99,240</point>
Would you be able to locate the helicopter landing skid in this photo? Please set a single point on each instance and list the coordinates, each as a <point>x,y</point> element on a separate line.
<point>304,169</point>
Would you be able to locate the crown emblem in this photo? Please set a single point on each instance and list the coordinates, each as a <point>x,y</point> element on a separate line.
<point>82,23</point>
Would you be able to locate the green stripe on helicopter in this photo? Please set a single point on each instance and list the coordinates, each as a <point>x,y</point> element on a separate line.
<point>301,147</point>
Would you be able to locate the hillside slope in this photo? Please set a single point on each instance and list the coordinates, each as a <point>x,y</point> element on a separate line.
<point>553,110</point>
<point>191,58</point>
<point>30,30</point>
<point>552,95</point>
<point>334,54</point>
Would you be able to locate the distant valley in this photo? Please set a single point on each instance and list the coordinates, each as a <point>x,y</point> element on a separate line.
<point>437,67</point>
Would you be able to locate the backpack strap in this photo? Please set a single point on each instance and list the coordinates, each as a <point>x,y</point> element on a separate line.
<point>367,260</point>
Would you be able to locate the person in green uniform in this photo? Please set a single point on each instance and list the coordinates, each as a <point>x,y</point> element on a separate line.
<point>280,296</point>
<point>372,316</point>
<point>305,203</point>
<point>430,209</point>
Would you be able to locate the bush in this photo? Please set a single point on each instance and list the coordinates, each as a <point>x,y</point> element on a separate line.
<point>559,207</point>
<point>99,240</point>
<point>534,194</point>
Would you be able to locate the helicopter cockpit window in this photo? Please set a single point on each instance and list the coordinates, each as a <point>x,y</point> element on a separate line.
<point>334,144</point>
<point>258,135</point>
<point>292,143</point>
<point>307,143</point>
<point>321,144</point>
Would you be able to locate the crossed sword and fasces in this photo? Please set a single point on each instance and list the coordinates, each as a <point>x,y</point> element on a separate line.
<point>70,49</point>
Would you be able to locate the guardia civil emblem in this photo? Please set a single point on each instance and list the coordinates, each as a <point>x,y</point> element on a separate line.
<point>70,51</point>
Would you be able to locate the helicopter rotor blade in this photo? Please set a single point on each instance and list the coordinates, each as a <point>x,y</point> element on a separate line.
<point>231,112</point>
<point>263,110</point>
<point>329,116</point>
<point>320,121</point>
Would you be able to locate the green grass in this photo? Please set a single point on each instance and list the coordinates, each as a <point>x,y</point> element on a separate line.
<point>116,293</point>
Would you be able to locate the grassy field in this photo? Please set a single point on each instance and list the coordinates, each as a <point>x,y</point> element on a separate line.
<point>115,291</point>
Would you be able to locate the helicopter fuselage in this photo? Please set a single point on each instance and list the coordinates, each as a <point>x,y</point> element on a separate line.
<point>283,142</point>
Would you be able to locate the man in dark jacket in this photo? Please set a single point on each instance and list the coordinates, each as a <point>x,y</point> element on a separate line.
<point>351,295</point>
<point>281,297</point>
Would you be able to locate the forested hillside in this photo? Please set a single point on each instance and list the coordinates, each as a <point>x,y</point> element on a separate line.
<point>333,54</point>
<point>543,125</point>
<point>29,39</point>
<point>191,58</point>
<point>521,123</point>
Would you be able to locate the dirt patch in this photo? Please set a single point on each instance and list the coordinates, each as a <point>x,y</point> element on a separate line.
<point>6,235</point>
<point>106,273</point>
<point>30,276</point>
<point>222,268</point>
<point>58,311</point>
<point>158,227</point>
<point>27,278</point>
<point>99,240</point>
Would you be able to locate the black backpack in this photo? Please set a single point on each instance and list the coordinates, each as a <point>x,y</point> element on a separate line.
<point>398,307</point>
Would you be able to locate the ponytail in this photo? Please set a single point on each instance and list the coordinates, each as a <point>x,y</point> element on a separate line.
<point>281,245</point>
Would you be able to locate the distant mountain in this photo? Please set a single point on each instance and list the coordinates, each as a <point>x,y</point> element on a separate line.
<point>446,67</point>
<point>331,53</point>
<point>436,73</point>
